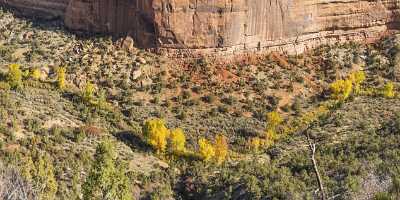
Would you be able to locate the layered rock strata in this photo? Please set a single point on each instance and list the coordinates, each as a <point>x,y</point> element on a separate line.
<point>229,26</point>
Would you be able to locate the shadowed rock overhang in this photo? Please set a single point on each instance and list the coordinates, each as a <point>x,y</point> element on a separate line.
<point>228,26</point>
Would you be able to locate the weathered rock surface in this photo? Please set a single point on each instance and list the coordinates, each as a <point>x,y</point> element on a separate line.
<point>224,25</point>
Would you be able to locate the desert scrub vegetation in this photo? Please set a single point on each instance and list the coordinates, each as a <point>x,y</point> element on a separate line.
<point>203,98</point>
<point>107,178</point>
<point>13,186</point>
<point>39,170</point>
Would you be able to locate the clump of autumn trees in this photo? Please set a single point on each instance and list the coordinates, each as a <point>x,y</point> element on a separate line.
<point>344,88</point>
<point>173,141</point>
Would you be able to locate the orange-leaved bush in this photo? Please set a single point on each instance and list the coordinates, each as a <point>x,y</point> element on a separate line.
<point>156,134</point>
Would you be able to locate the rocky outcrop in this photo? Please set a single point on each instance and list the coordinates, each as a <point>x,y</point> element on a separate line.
<point>224,25</point>
<point>47,9</point>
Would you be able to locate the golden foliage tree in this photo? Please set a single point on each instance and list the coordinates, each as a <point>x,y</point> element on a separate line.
<point>357,78</point>
<point>61,78</point>
<point>341,89</point>
<point>273,121</point>
<point>156,134</point>
<point>388,90</point>
<point>177,140</point>
<point>45,178</point>
<point>206,150</point>
<point>255,144</point>
<point>221,148</point>
<point>35,74</point>
<point>14,76</point>
<point>40,172</point>
<point>88,92</point>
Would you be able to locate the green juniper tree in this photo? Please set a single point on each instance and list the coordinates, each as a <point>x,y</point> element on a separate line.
<point>107,179</point>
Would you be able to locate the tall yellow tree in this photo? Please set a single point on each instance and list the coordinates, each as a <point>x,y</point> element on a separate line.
<point>88,93</point>
<point>156,134</point>
<point>206,150</point>
<point>61,78</point>
<point>178,141</point>
<point>273,121</point>
<point>357,78</point>
<point>14,76</point>
<point>221,148</point>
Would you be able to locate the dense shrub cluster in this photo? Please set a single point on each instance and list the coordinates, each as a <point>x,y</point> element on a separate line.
<point>107,179</point>
<point>40,171</point>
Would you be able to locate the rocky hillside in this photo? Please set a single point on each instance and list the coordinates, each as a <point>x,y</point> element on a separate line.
<point>95,118</point>
<point>226,26</point>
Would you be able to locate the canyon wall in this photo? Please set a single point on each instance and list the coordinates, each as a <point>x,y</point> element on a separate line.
<point>209,26</point>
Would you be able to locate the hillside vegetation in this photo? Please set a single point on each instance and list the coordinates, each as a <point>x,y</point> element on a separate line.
<point>95,118</point>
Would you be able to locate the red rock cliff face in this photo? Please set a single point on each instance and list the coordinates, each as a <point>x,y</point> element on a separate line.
<point>225,25</point>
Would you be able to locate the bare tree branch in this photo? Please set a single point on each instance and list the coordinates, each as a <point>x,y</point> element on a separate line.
<point>313,149</point>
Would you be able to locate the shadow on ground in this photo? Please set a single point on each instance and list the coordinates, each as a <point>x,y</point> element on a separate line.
<point>132,140</point>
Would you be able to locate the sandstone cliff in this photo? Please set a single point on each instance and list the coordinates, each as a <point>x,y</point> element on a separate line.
<point>223,25</point>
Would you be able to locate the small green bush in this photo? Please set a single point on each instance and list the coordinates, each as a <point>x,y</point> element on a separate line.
<point>107,179</point>
<point>382,196</point>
